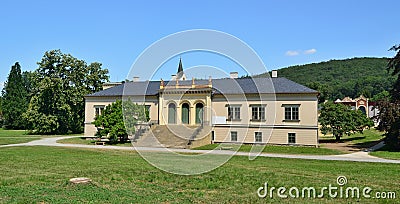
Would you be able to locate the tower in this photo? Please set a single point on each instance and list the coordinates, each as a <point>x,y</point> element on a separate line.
<point>180,75</point>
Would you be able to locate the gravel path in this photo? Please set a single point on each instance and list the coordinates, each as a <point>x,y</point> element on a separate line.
<point>362,156</point>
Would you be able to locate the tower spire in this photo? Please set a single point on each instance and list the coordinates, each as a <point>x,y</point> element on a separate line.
<point>180,74</point>
<point>180,67</point>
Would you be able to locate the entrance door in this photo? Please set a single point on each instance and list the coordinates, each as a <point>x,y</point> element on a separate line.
<point>185,113</point>
<point>362,109</point>
<point>199,113</point>
<point>171,113</point>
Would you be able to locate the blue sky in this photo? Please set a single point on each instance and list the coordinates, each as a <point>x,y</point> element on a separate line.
<point>282,32</point>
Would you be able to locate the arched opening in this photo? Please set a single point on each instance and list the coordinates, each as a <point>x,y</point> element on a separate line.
<point>185,113</point>
<point>199,113</point>
<point>362,109</point>
<point>171,113</point>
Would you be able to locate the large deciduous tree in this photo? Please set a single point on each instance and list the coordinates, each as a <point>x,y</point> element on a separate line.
<point>341,120</point>
<point>59,85</point>
<point>14,102</point>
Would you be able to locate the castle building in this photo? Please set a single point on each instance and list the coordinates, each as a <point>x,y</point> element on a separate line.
<point>267,110</point>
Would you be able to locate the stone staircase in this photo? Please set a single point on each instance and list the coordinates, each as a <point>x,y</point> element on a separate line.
<point>171,136</point>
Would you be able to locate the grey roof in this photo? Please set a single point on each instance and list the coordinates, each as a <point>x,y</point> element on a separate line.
<point>221,86</point>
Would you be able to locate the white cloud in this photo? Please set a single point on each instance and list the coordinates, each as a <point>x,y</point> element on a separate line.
<point>1,85</point>
<point>300,52</point>
<point>292,53</point>
<point>310,51</point>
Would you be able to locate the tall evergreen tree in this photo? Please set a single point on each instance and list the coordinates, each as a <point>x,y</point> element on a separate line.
<point>1,111</point>
<point>14,102</point>
<point>389,108</point>
<point>393,134</point>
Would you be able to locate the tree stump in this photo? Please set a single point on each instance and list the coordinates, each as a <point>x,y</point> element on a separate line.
<point>81,180</point>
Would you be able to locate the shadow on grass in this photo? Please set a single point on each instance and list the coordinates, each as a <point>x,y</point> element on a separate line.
<point>363,145</point>
<point>348,139</point>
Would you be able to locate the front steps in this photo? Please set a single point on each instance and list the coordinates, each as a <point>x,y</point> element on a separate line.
<point>172,136</point>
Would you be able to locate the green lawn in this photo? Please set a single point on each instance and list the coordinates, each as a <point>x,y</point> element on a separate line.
<point>275,149</point>
<point>13,133</point>
<point>82,140</point>
<point>387,153</point>
<point>371,135</point>
<point>369,138</point>
<point>41,174</point>
<point>16,136</point>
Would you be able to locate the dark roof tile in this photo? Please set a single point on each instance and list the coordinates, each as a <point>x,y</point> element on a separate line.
<point>221,86</point>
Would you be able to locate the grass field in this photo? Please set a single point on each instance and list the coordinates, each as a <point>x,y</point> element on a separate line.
<point>386,153</point>
<point>243,148</point>
<point>16,136</point>
<point>41,174</point>
<point>82,140</point>
<point>365,140</point>
<point>276,149</point>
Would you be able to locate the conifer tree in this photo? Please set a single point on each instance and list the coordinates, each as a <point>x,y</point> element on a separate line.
<point>14,102</point>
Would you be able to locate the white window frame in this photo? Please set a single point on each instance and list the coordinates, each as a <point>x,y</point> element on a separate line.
<point>98,110</point>
<point>260,112</point>
<point>293,113</point>
<point>290,134</point>
<point>234,139</point>
<point>233,112</point>
<point>256,138</point>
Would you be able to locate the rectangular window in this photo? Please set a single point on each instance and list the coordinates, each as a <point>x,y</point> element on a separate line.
<point>147,112</point>
<point>98,110</point>
<point>258,113</point>
<point>292,138</point>
<point>233,136</point>
<point>258,136</point>
<point>233,112</point>
<point>292,112</point>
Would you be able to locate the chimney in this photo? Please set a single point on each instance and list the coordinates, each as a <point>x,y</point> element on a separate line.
<point>135,79</point>
<point>274,74</point>
<point>233,75</point>
<point>173,77</point>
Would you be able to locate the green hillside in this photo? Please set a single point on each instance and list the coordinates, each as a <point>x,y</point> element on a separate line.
<point>339,78</point>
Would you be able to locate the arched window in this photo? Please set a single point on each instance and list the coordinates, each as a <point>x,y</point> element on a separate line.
<point>171,113</point>
<point>199,113</point>
<point>185,113</point>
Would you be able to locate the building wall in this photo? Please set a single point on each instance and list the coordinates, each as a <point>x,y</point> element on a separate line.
<point>304,136</point>
<point>274,129</point>
<point>178,100</point>
<point>274,109</point>
<point>92,102</point>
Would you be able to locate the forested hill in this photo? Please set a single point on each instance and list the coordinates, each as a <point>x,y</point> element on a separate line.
<point>339,78</point>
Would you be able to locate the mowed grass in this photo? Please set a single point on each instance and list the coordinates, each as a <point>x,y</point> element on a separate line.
<point>387,153</point>
<point>16,136</point>
<point>274,149</point>
<point>84,141</point>
<point>41,174</point>
<point>367,138</point>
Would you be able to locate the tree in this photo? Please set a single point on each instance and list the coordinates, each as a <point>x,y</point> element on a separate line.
<point>1,111</point>
<point>14,102</point>
<point>394,64</point>
<point>323,89</point>
<point>59,85</point>
<point>119,119</point>
<point>389,108</point>
<point>340,120</point>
